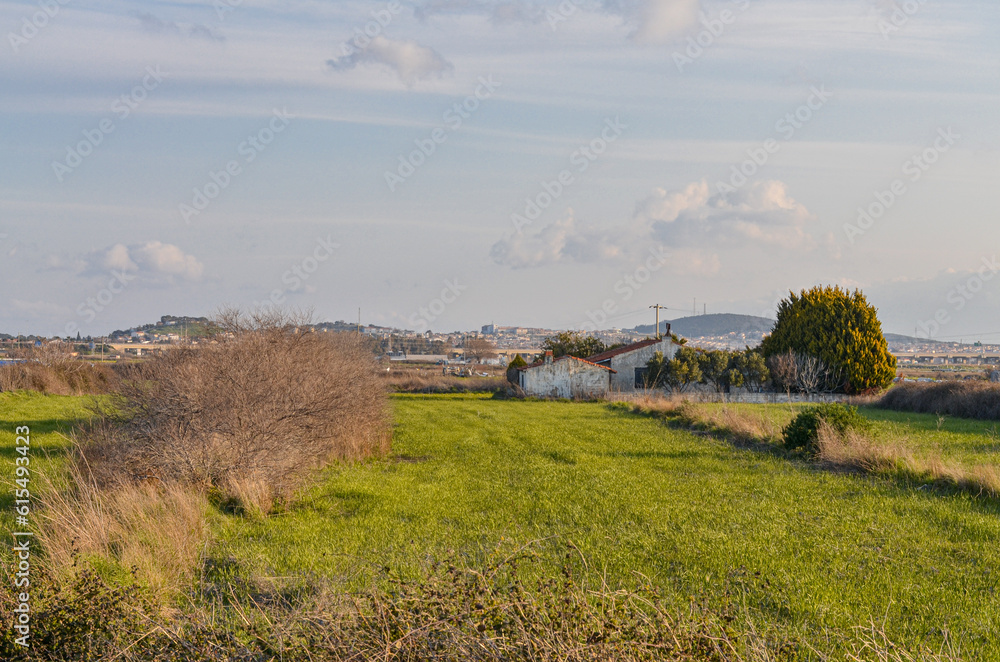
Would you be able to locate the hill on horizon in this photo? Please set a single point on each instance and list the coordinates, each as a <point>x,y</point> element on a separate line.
<point>716,324</point>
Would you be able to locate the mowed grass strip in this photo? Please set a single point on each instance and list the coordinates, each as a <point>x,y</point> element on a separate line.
<point>690,513</point>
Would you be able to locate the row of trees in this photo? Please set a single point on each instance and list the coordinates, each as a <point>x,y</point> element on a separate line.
<point>825,340</point>
<point>722,369</point>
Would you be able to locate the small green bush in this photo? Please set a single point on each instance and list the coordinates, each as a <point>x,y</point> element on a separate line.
<point>803,431</point>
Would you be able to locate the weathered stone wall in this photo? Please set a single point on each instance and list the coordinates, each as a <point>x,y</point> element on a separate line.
<point>567,378</point>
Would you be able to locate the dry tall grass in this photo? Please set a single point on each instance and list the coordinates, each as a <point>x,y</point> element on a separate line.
<point>157,530</point>
<point>857,450</point>
<point>736,424</point>
<point>964,399</point>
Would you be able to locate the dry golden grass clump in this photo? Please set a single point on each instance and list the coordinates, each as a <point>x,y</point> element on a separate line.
<point>964,399</point>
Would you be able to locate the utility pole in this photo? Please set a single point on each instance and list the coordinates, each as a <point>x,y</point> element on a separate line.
<point>658,308</point>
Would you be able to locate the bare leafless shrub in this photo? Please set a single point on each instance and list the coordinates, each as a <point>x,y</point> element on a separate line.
<point>51,368</point>
<point>965,399</point>
<point>784,370</point>
<point>810,373</point>
<point>266,400</point>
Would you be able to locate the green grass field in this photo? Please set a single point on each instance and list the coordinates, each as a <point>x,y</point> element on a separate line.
<point>810,554</point>
<point>636,497</point>
<point>50,418</point>
<point>959,441</point>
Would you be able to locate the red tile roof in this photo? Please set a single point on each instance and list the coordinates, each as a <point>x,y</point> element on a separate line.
<point>537,364</point>
<point>604,356</point>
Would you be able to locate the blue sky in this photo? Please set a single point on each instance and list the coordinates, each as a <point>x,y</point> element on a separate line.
<point>117,117</point>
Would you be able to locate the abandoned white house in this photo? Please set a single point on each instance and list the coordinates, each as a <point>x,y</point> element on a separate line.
<point>628,364</point>
<point>565,377</point>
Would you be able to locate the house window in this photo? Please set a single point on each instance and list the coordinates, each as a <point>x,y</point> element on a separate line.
<point>640,377</point>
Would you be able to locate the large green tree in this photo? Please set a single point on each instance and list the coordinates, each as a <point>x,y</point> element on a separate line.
<point>573,343</point>
<point>841,329</point>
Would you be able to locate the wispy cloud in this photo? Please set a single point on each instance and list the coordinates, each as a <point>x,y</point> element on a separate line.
<point>155,25</point>
<point>410,61</point>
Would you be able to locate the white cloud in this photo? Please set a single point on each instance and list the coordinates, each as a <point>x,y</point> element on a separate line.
<point>761,213</point>
<point>166,259</point>
<point>691,223</point>
<point>656,21</point>
<point>153,261</point>
<point>411,61</point>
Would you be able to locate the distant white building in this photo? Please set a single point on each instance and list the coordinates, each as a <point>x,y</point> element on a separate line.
<point>628,364</point>
<point>565,377</point>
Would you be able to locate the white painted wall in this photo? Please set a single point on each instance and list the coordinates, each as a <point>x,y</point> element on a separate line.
<point>624,365</point>
<point>565,378</point>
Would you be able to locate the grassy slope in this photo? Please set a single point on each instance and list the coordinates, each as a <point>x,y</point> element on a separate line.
<point>49,417</point>
<point>635,496</point>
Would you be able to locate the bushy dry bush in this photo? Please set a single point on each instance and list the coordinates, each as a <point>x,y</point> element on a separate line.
<point>265,402</point>
<point>52,369</point>
<point>965,399</point>
<point>409,382</point>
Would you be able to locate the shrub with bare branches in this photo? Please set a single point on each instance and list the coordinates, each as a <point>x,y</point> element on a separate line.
<point>52,368</point>
<point>265,403</point>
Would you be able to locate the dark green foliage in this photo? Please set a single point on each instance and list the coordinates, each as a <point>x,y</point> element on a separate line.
<point>677,373</point>
<point>573,343</point>
<point>84,619</point>
<point>840,329</point>
<point>751,365</point>
<point>517,362</point>
<point>717,369</point>
<point>803,431</point>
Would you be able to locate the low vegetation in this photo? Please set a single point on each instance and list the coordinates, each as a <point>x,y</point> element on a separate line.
<point>804,430</point>
<point>527,530</point>
<point>966,399</point>
<point>841,437</point>
<point>52,369</point>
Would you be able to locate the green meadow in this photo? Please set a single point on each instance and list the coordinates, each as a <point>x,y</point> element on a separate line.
<point>808,555</point>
